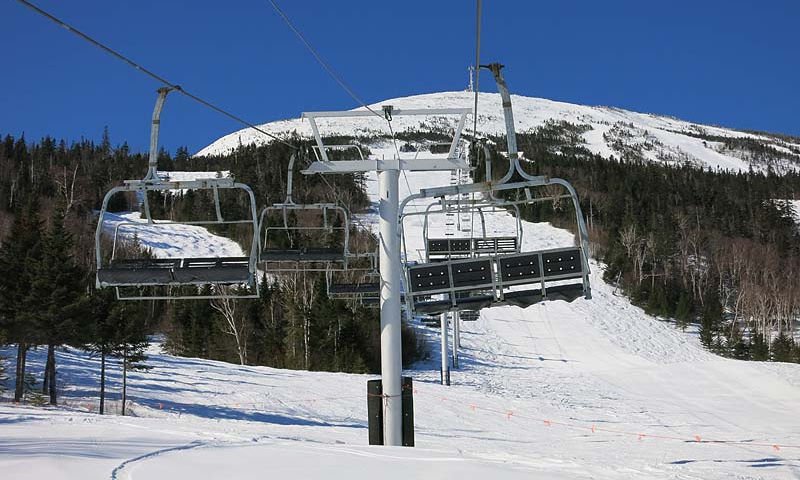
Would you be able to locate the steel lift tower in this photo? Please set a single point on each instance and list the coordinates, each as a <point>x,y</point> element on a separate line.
<point>391,268</point>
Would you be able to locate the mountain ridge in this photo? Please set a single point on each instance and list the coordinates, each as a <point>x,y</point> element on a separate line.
<point>604,130</point>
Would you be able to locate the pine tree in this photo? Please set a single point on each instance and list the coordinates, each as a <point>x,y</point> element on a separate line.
<point>104,333</point>
<point>782,348</point>
<point>759,349</point>
<point>711,319</point>
<point>130,322</point>
<point>18,254</point>
<point>55,300</point>
<point>683,310</point>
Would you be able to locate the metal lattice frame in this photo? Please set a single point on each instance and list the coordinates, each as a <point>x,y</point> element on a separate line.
<point>176,272</point>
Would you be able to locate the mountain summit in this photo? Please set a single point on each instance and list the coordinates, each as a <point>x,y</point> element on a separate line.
<point>606,131</point>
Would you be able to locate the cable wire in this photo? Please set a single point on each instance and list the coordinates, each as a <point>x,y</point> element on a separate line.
<point>150,73</point>
<point>338,79</point>
<point>478,8</point>
<point>325,65</point>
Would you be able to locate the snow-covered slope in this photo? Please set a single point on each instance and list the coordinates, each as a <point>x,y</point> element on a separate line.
<point>606,131</point>
<point>592,389</point>
<point>589,389</point>
<point>170,240</point>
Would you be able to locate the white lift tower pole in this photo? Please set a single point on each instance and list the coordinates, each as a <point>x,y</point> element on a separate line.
<point>391,266</point>
<point>391,274</point>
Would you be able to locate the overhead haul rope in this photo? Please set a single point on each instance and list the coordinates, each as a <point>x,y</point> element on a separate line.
<point>338,78</point>
<point>477,69</point>
<point>150,73</point>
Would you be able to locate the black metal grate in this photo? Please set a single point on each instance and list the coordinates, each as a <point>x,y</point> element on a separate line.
<point>565,262</point>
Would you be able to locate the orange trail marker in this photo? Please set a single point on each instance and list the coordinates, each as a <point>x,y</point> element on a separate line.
<point>697,439</point>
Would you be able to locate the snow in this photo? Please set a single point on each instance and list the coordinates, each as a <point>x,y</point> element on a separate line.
<point>533,383</point>
<point>590,389</point>
<point>674,135</point>
<point>171,240</point>
<point>795,204</point>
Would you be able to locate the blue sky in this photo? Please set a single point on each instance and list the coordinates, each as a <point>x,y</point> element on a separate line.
<point>732,63</point>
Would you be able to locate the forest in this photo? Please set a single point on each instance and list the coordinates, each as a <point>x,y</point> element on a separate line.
<point>693,246</point>
<point>711,248</point>
<point>51,193</point>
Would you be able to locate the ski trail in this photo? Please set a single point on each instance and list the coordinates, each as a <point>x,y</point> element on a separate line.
<point>122,467</point>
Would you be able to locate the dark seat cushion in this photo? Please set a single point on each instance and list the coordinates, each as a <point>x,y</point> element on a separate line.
<point>303,255</point>
<point>171,271</point>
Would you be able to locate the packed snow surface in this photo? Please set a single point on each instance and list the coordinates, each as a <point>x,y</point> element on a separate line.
<point>170,240</point>
<point>589,389</point>
<point>607,131</point>
<point>592,389</point>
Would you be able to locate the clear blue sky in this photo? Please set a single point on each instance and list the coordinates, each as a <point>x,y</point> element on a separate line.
<point>732,63</point>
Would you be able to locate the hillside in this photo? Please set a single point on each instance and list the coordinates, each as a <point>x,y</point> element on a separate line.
<point>606,131</point>
<point>589,389</point>
<point>593,389</point>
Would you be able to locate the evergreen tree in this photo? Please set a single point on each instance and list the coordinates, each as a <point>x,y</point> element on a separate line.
<point>132,341</point>
<point>55,300</point>
<point>711,319</point>
<point>18,254</point>
<point>683,310</point>
<point>103,337</point>
<point>783,348</point>
<point>759,349</point>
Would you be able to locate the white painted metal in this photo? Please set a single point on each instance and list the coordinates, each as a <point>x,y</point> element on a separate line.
<point>445,359</point>
<point>390,260</point>
<point>390,270</point>
<point>414,165</point>
<point>396,112</point>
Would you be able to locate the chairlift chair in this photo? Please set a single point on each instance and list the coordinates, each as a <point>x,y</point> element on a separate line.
<point>139,274</point>
<point>476,244</point>
<point>361,286</point>
<point>521,277</point>
<point>334,220</point>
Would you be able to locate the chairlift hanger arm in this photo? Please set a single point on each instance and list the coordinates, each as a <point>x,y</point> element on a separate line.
<point>325,165</point>
<point>395,112</point>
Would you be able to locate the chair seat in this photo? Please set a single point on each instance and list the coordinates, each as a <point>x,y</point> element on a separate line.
<point>355,288</point>
<point>474,302</point>
<point>189,271</point>
<point>525,298</point>
<point>303,255</point>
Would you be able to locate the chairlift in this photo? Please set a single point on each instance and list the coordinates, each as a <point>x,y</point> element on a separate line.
<point>139,274</point>
<point>474,245</point>
<point>456,277</point>
<point>357,285</point>
<point>333,226</point>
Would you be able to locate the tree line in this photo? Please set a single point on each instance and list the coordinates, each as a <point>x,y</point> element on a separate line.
<point>715,248</point>
<point>50,194</point>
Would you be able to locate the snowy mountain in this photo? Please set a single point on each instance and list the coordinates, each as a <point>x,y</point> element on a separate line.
<point>606,131</point>
<point>589,389</point>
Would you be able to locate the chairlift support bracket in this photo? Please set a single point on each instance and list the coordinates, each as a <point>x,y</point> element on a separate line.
<point>452,161</point>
